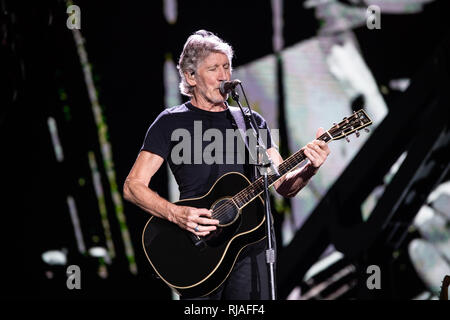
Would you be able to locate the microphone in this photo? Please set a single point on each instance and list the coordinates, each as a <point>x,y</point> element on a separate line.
<point>227,86</point>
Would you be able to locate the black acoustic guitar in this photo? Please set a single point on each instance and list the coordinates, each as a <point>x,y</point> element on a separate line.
<point>195,266</point>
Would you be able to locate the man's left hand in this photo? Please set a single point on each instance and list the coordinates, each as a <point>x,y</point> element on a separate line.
<point>317,151</point>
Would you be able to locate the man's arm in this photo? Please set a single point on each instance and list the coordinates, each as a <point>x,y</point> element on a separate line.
<point>316,151</point>
<point>136,190</point>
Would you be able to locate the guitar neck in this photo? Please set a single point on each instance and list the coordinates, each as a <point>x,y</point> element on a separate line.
<point>246,195</point>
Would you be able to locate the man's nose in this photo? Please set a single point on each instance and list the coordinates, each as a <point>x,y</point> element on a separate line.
<point>223,74</point>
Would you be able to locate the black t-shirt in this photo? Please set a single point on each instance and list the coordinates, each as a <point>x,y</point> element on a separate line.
<point>199,146</point>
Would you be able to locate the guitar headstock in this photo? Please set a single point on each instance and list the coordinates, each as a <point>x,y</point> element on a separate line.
<point>349,125</point>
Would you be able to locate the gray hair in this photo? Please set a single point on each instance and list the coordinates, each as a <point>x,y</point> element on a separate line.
<point>197,47</point>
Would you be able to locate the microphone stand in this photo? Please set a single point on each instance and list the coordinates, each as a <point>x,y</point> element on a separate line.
<point>264,163</point>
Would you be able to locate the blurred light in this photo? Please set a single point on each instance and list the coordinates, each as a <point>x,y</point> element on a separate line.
<point>277,22</point>
<point>98,188</point>
<point>295,294</point>
<point>55,139</point>
<point>439,199</point>
<point>400,6</point>
<point>172,96</point>
<point>100,252</point>
<point>171,11</point>
<point>76,224</point>
<point>387,6</point>
<point>49,274</point>
<point>314,3</point>
<point>323,264</point>
<point>348,66</point>
<point>429,264</point>
<point>426,295</point>
<point>54,257</point>
<point>399,84</point>
<point>442,205</point>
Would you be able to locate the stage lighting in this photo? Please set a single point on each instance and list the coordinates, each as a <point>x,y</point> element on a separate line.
<point>54,257</point>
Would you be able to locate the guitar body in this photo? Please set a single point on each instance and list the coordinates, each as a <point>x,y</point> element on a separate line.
<point>197,266</point>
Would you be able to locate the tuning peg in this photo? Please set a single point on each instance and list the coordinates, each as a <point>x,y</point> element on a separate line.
<point>346,138</point>
<point>366,130</point>
<point>357,133</point>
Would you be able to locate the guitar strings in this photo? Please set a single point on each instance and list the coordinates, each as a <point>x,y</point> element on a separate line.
<point>221,211</point>
<point>245,194</point>
<point>242,196</point>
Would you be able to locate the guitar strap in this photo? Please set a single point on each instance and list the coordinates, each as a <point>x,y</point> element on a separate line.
<point>242,123</point>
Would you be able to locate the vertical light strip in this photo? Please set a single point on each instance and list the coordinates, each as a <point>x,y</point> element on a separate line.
<point>171,98</point>
<point>55,139</point>
<point>171,80</point>
<point>171,11</point>
<point>96,180</point>
<point>105,148</point>
<point>277,23</point>
<point>76,224</point>
<point>369,204</point>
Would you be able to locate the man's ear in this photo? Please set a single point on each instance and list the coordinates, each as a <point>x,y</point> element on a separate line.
<point>190,78</point>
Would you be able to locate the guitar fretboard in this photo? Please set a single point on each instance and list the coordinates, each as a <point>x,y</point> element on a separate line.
<point>257,187</point>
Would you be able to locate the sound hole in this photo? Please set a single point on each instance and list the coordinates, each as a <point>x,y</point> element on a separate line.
<point>225,211</point>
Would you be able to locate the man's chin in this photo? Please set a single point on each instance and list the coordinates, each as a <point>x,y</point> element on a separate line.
<point>218,101</point>
<point>224,98</point>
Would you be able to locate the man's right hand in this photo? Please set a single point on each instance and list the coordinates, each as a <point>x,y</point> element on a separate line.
<point>198,221</point>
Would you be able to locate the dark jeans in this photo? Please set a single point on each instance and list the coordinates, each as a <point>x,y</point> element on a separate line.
<point>249,279</point>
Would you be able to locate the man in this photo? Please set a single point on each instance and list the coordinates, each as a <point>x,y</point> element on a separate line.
<point>204,63</point>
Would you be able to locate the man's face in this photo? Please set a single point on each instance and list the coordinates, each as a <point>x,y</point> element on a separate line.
<point>210,73</point>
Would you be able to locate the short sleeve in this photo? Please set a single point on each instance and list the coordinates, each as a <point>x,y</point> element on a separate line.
<point>157,138</point>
